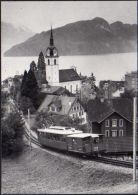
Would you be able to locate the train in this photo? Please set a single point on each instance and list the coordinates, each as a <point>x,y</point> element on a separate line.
<point>71,140</point>
<point>76,141</point>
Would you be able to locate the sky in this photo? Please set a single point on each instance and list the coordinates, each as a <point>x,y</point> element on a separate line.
<point>40,15</point>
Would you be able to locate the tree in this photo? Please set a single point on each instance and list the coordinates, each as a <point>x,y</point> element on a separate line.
<point>23,82</point>
<point>30,87</point>
<point>46,119</point>
<point>129,94</point>
<point>91,80</point>
<point>33,66</point>
<point>41,61</point>
<point>12,135</point>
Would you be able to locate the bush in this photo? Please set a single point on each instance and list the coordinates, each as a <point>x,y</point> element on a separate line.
<point>47,119</point>
<point>25,103</point>
<point>12,135</point>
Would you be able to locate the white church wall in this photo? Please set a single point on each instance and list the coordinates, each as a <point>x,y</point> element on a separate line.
<point>71,85</point>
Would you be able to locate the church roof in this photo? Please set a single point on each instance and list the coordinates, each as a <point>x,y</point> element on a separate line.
<point>66,75</point>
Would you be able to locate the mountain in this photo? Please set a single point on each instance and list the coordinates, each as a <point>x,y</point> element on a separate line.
<point>11,35</point>
<point>89,37</point>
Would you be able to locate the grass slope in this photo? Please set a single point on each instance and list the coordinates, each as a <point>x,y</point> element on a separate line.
<point>40,172</point>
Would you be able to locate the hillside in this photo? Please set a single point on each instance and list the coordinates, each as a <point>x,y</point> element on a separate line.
<point>89,37</point>
<point>12,35</point>
<point>39,172</point>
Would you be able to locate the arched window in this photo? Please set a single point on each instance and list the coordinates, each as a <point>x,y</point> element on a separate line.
<point>48,62</point>
<point>55,61</point>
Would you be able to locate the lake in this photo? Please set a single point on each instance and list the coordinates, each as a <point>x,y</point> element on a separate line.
<point>104,67</point>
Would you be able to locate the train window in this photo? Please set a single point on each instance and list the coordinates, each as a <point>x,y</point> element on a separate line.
<point>114,133</point>
<point>114,122</point>
<point>62,139</point>
<point>107,133</point>
<point>74,141</point>
<point>121,132</point>
<point>86,140</point>
<point>95,140</point>
<point>120,122</point>
<point>107,123</point>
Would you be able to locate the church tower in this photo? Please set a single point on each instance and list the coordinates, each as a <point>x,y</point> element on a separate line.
<point>52,67</point>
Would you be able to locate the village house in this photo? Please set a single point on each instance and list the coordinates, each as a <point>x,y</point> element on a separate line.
<point>112,119</point>
<point>111,89</point>
<point>131,81</point>
<point>63,105</point>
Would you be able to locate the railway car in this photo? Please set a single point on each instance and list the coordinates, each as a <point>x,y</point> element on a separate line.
<point>70,139</point>
<point>55,138</point>
<point>85,143</point>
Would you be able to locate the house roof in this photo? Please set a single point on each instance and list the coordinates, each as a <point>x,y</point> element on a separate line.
<point>66,103</point>
<point>99,111</point>
<point>55,90</point>
<point>66,75</point>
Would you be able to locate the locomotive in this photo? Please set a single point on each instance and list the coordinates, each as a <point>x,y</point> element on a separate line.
<point>71,140</point>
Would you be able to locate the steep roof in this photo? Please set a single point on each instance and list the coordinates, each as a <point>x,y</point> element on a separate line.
<point>55,90</point>
<point>66,75</point>
<point>99,111</point>
<point>65,102</point>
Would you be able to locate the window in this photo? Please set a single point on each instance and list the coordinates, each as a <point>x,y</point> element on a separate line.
<point>55,61</point>
<point>76,87</point>
<point>48,62</point>
<point>107,124</point>
<point>73,115</point>
<point>79,113</point>
<point>114,122</point>
<point>120,122</point>
<point>114,133</point>
<point>71,88</point>
<point>107,133</point>
<point>121,132</point>
<point>76,115</point>
<point>74,108</point>
<point>53,108</point>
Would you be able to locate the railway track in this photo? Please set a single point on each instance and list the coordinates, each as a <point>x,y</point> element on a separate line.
<point>97,159</point>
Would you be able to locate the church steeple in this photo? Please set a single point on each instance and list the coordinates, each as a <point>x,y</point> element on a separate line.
<point>51,38</point>
<point>51,51</point>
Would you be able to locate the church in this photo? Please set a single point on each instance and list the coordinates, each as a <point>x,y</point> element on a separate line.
<point>67,78</point>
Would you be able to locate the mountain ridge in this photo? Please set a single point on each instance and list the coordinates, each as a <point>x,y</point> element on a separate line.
<point>12,35</point>
<point>86,37</point>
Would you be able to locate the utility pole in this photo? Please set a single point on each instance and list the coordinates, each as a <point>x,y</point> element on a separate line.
<point>134,136</point>
<point>29,128</point>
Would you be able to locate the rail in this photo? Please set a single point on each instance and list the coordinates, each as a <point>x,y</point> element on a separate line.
<point>97,159</point>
